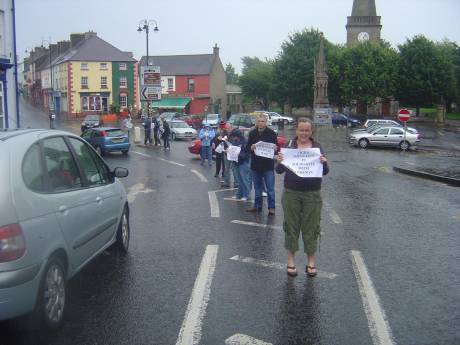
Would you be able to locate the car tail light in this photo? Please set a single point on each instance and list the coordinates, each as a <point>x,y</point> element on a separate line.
<point>12,243</point>
<point>104,133</point>
<point>418,136</point>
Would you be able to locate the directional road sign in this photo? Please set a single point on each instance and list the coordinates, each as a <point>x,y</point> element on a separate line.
<point>150,93</point>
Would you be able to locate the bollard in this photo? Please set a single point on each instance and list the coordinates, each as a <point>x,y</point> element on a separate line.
<point>137,134</point>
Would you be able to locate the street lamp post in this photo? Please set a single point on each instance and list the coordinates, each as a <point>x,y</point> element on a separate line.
<point>144,25</point>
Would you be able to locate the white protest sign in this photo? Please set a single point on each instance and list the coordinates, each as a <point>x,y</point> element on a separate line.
<point>233,152</point>
<point>303,162</point>
<point>220,148</point>
<point>264,149</point>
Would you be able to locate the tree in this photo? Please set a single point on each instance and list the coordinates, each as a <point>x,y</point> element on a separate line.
<point>367,71</point>
<point>293,69</point>
<point>453,51</point>
<point>256,79</point>
<point>426,73</point>
<point>232,77</point>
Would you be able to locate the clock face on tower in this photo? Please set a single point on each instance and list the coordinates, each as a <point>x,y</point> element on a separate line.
<point>363,36</point>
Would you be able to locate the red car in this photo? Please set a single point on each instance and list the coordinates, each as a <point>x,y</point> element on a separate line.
<point>195,145</point>
<point>194,120</point>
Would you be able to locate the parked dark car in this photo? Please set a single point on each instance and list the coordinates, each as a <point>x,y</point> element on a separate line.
<point>107,139</point>
<point>339,119</point>
<point>91,121</point>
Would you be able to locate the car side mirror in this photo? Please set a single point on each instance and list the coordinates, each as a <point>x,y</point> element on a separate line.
<point>120,172</point>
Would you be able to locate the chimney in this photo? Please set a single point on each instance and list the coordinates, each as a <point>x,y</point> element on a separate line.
<point>129,54</point>
<point>63,46</point>
<point>89,34</point>
<point>215,50</point>
<point>75,39</point>
<point>54,51</point>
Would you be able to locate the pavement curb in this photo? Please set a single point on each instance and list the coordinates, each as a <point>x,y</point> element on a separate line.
<point>449,180</point>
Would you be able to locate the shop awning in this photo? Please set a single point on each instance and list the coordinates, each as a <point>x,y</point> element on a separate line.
<point>177,103</point>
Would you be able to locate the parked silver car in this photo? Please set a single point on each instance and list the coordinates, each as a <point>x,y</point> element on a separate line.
<point>60,207</point>
<point>180,130</point>
<point>385,122</point>
<point>385,136</point>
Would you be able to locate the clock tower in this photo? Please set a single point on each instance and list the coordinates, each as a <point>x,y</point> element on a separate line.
<point>363,24</point>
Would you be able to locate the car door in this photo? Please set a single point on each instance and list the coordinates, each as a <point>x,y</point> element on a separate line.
<point>74,205</point>
<point>88,136</point>
<point>380,137</point>
<point>396,136</point>
<point>106,198</point>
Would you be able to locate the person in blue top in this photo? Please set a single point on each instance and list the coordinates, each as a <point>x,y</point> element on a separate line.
<point>206,135</point>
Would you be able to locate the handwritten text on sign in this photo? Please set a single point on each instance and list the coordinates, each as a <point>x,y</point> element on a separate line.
<point>264,149</point>
<point>303,162</point>
<point>233,152</point>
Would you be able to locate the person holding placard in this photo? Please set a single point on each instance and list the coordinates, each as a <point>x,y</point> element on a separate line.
<point>301,200</point>
<point>239,155</point>
<point>262,145</point>
<point>219,145</point>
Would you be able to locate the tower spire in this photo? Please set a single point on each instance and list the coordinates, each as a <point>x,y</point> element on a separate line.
<point>321,99</point>
<point>363,24</point>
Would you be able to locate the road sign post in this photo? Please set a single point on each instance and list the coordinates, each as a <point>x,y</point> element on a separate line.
<point>404,116</point>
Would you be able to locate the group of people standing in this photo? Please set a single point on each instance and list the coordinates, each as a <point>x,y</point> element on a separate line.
<point>160,131</point>
<point>301,199</point>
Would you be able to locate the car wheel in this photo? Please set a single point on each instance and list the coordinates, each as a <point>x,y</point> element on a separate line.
<point>123,233</point>
<point>363,143</point>
<point>52,294</point>
<point>99,150</point>
<point>286,122</point>
<point>404,145</point>
<point>125,152</point>
<point>173,136</point>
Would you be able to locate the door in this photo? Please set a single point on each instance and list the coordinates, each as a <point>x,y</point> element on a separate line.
<point>380,137</point>
<point>105,107</point>
<point>396,136</point>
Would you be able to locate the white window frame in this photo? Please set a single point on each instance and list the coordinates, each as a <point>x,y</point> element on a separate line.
<point>2,105</point>
<point>191,85</point>
<point>104,84</point>
<point>84,85</point>
<point>103,66</point>
<point>84,66</point>
<point>170,84</point>
<point>123,82</point>
<point>123,100</point>
<point>122,66</point>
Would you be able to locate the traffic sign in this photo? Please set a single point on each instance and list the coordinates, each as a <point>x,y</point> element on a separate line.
<point>150,75</point>
<point>151,93</point>
<point>404,115</point>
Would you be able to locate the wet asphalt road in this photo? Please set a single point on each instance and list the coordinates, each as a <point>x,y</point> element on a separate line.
<point>405,228</point>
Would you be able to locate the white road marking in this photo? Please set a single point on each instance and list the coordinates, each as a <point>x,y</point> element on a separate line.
<point>277,265</point>
<point>238,200</point>
<point>140,154</point>
<point>334,216</point>
<point>378,325</point>
<point>456,146</point>
<point>259,225</point>
<point>224,190</point>
<point>440,133</point>
<point>136,189</point>
<point>242,339</point>
<point>190,332</point>
<point>214,204</point>
<point>171,162</point>
<point>200,175</point>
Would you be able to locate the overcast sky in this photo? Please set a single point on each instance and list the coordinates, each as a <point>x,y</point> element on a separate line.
<point>239,27</point>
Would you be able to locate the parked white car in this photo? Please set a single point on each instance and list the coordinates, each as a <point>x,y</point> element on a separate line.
<point>385,136</point>
<point>385,122</point>
<point>275,117</point>
<point>181,130</point>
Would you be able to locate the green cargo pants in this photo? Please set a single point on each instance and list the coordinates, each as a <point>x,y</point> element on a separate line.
<point>302,213</point>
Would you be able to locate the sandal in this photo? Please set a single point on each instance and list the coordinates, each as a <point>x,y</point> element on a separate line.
<point>292,268</point>
<point>309,270</point>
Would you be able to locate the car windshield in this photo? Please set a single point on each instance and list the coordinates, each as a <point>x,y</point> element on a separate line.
<point>212,117</point>
<point>92,118</point>
<point>179,125</point>
<point>114,132</point>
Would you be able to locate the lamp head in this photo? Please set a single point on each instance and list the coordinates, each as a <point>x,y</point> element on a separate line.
<point>139,29</point>
<point>156,29</point>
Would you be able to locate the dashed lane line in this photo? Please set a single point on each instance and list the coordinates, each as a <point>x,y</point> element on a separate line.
<point>200,175</point>
<point>141,154</point>
<point>378,325</point>
<point>214,204</point>
<point>259,225</point>
<point>171,162</point>
<point>277,265</point>
<point>334,216</point>
<point>190,332</point>
<point>441,133</point>
<point>243,339</point>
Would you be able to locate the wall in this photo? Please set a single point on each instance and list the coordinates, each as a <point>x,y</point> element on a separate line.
<point>217,86</point>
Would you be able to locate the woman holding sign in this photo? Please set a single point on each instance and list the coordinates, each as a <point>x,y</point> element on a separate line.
<point>301,198</point>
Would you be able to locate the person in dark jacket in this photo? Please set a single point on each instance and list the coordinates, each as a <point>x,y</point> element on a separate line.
<point>302,202</point>
<point>262,168</point>
<point>147,130</point>
<point>216,141</point>
<point>156,131</point>
<point>241,167</point>
<point>166,134</point>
